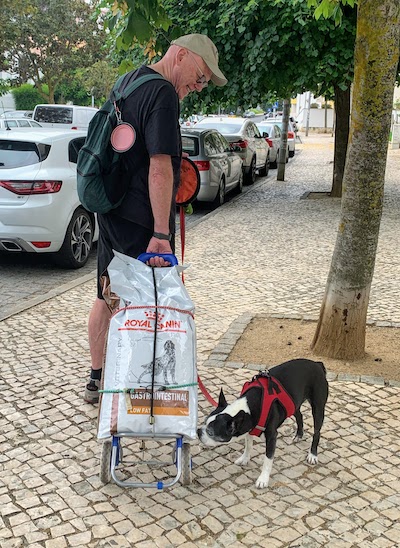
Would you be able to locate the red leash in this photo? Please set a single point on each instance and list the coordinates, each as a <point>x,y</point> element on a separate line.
<point>203,389</point>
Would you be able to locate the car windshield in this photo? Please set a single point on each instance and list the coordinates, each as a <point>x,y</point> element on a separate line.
<point>225,128</point>
<point>54,115</point>
<point>190,145</point>
<point>21,153</point>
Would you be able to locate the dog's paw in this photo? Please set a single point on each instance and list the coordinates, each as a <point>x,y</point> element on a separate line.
<point>297,438</point>
<point>312,459</point>
<point>242,460</point>
<point>262,482</point>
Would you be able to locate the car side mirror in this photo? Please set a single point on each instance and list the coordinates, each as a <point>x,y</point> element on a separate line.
<point>265,134</point>
<point>236,149</point>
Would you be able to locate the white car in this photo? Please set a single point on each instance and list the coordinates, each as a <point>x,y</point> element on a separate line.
<point>291,136</point>
<point>40,210</point>
<point>272,134</point>
<point>17,123</point>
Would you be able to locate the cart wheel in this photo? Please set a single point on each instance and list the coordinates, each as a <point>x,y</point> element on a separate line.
<point>186,465</point>
<point>105,462</point>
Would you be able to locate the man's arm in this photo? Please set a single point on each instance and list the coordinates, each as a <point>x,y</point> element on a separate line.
<point>161,182</point>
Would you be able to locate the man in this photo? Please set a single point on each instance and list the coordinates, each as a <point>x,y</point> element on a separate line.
<point>145,221</point>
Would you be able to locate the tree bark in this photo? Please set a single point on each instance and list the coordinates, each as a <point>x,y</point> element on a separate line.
<point>342,126</point>
<point>340,331</point>
<point>280,176</point>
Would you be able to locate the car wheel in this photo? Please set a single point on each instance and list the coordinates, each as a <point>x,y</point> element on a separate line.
<point>291,153</point>
<point>274,165</point>
<point>77,244</point>
<point>251,174</point>
<point>220,197</point>
<point>264,170</point>
<point>287,155</point>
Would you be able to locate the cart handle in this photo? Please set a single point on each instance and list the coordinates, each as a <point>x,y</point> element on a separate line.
<point>170,257</point>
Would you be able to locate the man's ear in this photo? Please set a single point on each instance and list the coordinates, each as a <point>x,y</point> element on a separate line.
<point>222,403</point>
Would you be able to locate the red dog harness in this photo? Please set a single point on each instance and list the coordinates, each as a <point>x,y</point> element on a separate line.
<point>272,391</point>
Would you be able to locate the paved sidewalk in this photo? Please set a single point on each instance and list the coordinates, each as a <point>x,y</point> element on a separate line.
<point>265,252</point>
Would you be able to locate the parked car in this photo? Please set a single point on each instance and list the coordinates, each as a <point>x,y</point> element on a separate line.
<point>40,210</point>
<point>272,134</point>
<point>245,139</point>
<point>17,114</point>
<point>64,116</point>
<point>192,120</point>
<point>15,123</point>
<point>291,136</point>
<point>221,169</point>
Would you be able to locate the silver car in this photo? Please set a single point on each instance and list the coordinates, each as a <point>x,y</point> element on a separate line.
<point>15,123</point>
<point>220,168</point>
<point>272,134</point>
<point>245,139</point>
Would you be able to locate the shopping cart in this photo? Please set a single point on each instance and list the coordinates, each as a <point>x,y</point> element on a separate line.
<point>148,403</point>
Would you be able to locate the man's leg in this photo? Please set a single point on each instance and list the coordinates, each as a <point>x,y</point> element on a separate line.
<point>98,324</point>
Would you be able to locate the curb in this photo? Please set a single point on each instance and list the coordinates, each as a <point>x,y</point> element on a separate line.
<point>219,355</point>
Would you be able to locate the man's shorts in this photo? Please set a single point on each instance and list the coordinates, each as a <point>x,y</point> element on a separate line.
<point>116,233</point>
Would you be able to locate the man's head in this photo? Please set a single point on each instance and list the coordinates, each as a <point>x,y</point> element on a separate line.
<point>195,63</point>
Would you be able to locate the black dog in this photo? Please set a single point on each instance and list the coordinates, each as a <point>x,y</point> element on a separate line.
<point>297,381</point>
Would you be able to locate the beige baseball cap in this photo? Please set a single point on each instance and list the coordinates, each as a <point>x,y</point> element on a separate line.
<point>203,46</point>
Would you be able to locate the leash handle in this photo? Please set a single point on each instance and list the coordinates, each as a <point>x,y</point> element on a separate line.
<point>170,257</point>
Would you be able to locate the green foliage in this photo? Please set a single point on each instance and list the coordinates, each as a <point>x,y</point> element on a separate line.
<point>4,87</point>
<point>99,80</point>
<point>49,39</point>
<point>330,9</point>
<point>267,47</point>
<point>132,20</point>
<point>26,97</point>
<point>72,91</point>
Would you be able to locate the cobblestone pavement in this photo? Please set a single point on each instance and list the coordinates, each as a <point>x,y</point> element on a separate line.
<point>265,252</point>
<point>28,277</point>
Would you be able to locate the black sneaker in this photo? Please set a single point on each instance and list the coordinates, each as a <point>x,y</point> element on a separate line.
<point>92,391</point>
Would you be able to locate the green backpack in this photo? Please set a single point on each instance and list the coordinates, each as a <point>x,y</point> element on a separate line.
<point>101,175</point>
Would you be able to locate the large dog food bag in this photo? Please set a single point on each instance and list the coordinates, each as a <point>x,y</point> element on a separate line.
<point>127,375</point>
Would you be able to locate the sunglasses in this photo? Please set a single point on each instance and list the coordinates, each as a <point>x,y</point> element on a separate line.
<point>202,81</point>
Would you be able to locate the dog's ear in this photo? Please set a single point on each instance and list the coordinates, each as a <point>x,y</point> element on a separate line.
<point>222,403</point>
<point>241,423</point>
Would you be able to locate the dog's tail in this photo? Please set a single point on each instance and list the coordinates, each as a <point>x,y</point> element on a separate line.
<point>323,367</point>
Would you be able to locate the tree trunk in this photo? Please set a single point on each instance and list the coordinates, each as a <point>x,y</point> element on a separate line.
<point>340,331</point>
<point>283,146</point>
<point>342,125</point>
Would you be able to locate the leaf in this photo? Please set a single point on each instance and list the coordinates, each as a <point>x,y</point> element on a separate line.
<point>139,27</point>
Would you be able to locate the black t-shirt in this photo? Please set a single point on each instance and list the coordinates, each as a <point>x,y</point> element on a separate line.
<point>153,110</point>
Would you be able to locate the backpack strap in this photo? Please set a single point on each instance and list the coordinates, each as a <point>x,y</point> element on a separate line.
<point>116,93</point>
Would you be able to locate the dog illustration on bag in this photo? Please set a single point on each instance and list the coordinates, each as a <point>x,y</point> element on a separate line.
<point>164,364</point>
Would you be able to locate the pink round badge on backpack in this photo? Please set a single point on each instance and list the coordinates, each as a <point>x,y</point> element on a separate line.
<point>123,137</point>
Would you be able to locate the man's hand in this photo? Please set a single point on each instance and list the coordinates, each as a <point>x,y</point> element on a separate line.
<point>158,246</point>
